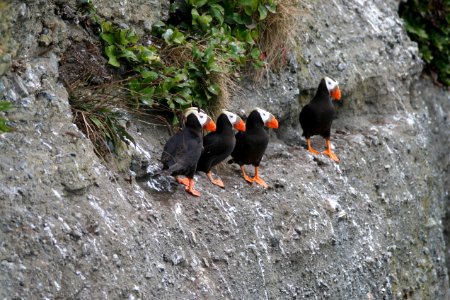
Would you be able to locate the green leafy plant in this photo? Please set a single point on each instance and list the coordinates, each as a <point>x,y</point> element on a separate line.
<point>87,7</point>
<point>4,106</point>
<point>428,23</point>
<point>192,62</point>
<point>192,59</point>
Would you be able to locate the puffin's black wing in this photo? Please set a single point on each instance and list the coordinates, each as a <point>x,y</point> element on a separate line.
<point>187,156</point>
<point>250,147</point>
<point>170,150</point>
<point>240,149</point>
<point>181,154</point>
<point>211,143</point>
<point>210,148</point>
<point>308,120</point>
<point>214,151</point>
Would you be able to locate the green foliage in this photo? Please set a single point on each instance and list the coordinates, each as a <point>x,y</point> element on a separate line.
<point>87,7</point>
<point>4,106</point>
<point>428,23</point>
<point>183,65</point>
<point>121,43</point>
<point>220,39</point>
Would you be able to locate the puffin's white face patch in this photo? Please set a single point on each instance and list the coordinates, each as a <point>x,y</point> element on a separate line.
<point>200,114</point>
<point>202,118</point>
<point>231,116</point>
<point>265,115</point>
<point>331,84</point>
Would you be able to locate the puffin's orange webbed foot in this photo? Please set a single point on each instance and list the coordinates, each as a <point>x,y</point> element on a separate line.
<point>313,151</point>
<point>310,148</point>
<point>246,177</point>
<point>190,188</point>
<point>183,180</point>
<point>217,181</point>
<point>259,180</point>
<point>330,153</point>
<point>193,192</point>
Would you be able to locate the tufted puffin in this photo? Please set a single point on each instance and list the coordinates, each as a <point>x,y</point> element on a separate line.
<point>316,117</point>
<point>182,150</point>
<point>251,144</point>
<point>219,144</point>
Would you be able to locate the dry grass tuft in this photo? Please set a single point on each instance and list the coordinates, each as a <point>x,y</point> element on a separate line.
<point>228,88</point>
<point>277,37</point>
<point>95,112</point>
<point>176,55</point>
<point>95,97</point>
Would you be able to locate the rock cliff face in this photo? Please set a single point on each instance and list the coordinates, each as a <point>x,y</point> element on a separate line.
<point>371,227</point>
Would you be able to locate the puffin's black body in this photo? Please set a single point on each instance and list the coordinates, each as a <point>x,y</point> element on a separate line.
<point>317,116</point>
<point>182,150</point>
<point>217,145</point>
<point>251,144</point>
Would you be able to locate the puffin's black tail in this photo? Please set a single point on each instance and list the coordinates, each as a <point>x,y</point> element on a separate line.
<point>157,172</point>
<point>151,174</point>
<point>174,168</point>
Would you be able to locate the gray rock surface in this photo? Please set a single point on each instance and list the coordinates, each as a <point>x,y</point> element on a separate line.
<point>371,227</point>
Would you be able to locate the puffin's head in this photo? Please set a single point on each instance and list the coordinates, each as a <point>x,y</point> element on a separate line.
<point>268,119</point>
<point>205,121</point>
<point>235,120</point>
<point>333,88</point>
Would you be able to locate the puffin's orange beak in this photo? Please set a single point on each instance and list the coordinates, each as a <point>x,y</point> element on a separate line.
<point>272,123</point>
<point>210,125</point>
<point>240,125</point>
<point>336,94</point>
